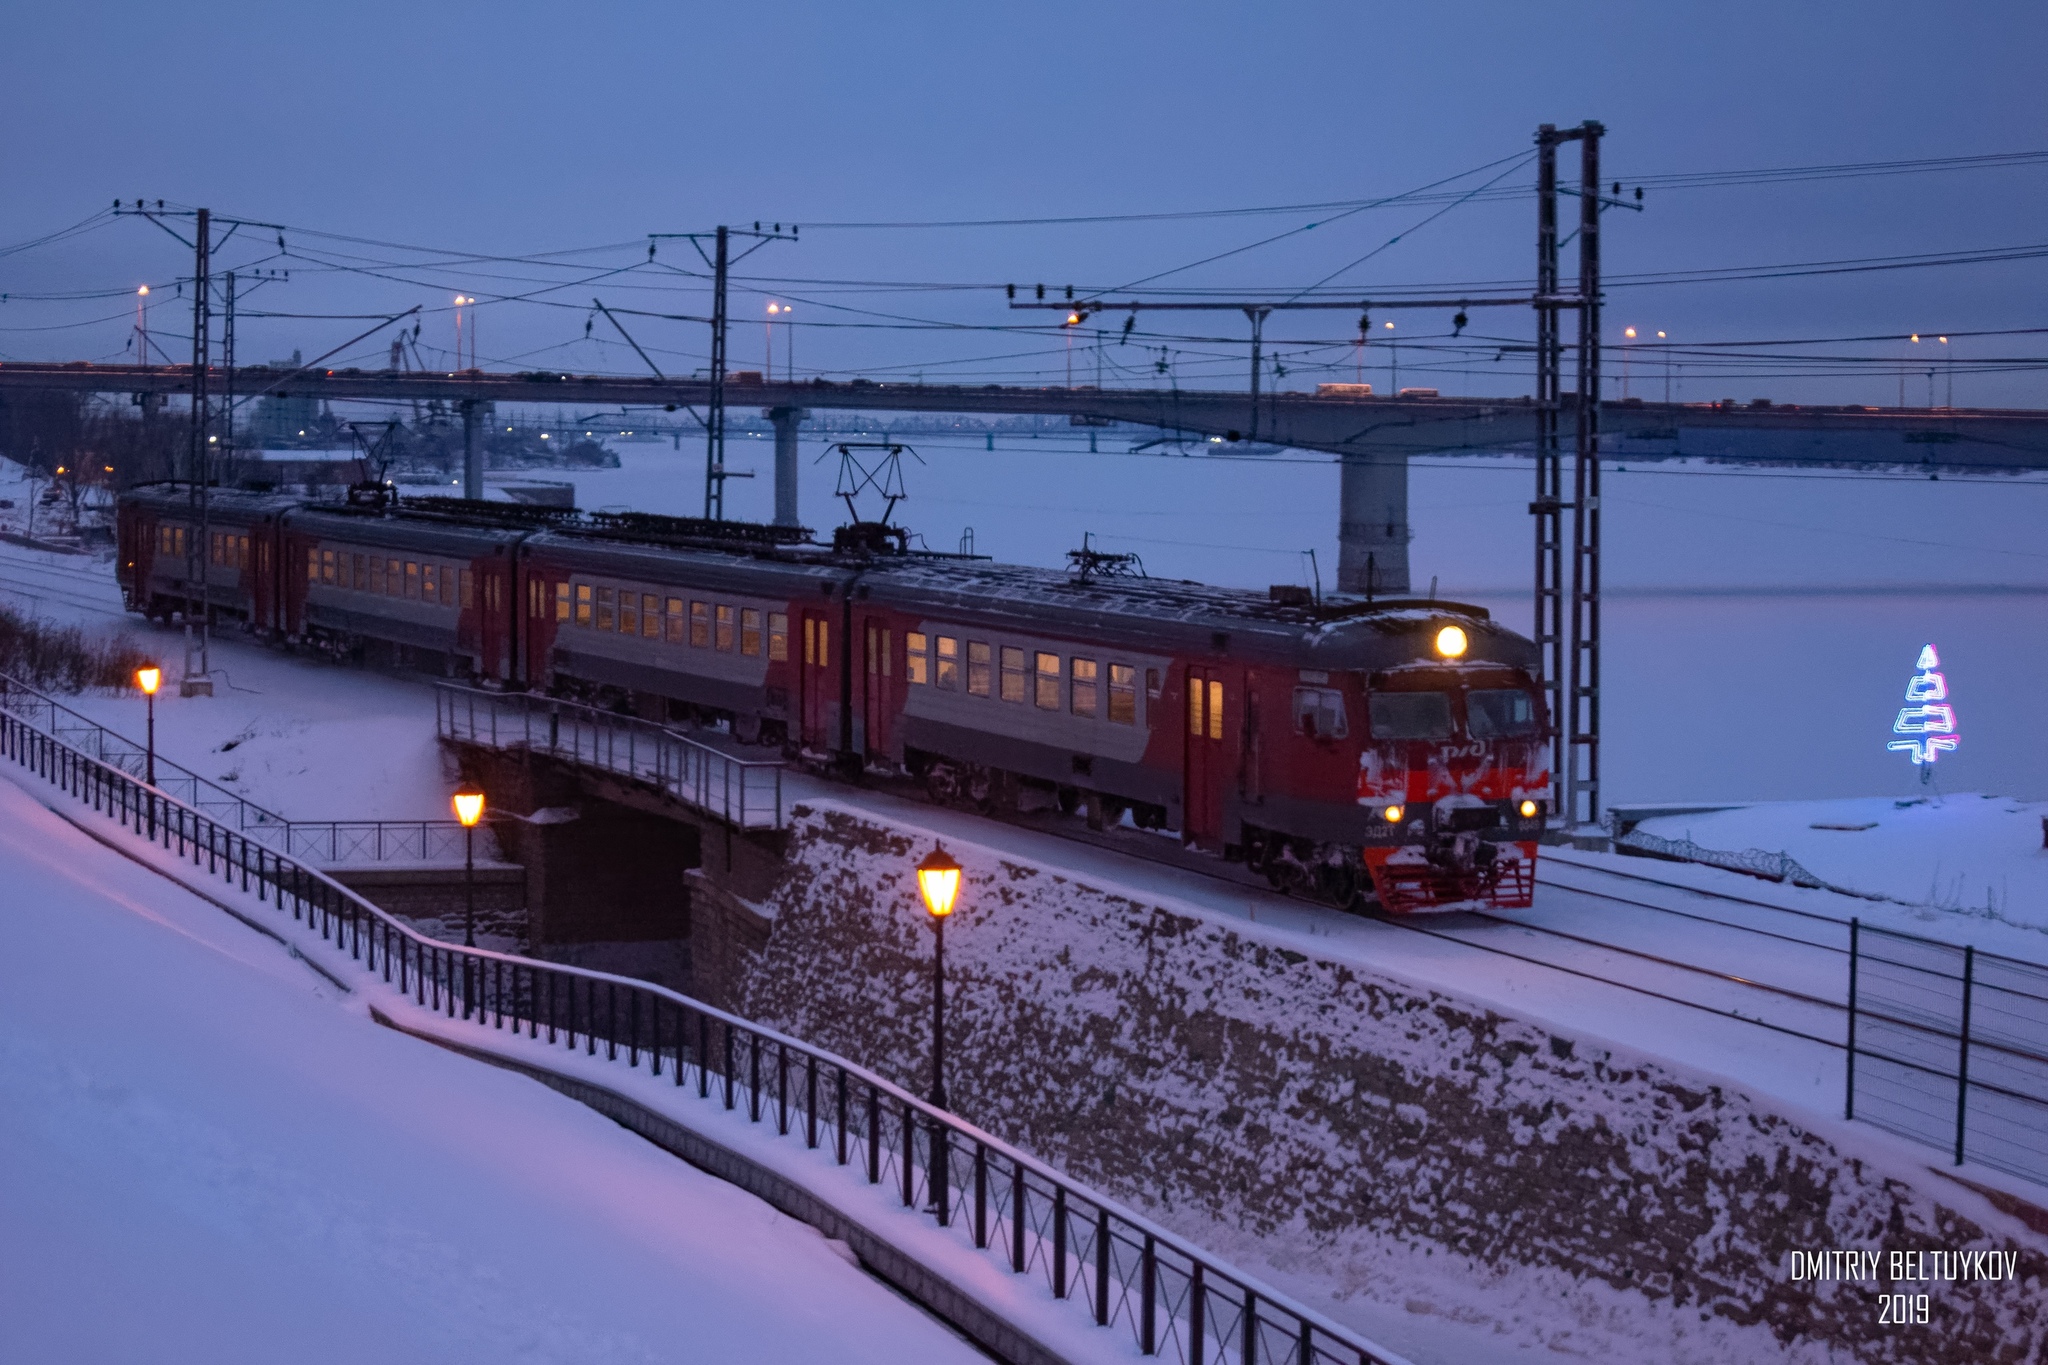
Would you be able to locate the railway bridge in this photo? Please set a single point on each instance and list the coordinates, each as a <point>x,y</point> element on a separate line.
<point>1373,436</point>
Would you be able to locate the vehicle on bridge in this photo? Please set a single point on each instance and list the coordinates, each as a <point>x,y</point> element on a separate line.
<point>1392,751</point>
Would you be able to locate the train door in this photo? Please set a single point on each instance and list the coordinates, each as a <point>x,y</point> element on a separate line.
<point>494,633</point>
<point>547,607</point>
<point>818,705</point>
<point>1210,696</point>
<point>878,695</point>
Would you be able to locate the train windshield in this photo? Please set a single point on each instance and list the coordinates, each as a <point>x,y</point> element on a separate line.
<point>1411,715</point>
<point>1499,713</point>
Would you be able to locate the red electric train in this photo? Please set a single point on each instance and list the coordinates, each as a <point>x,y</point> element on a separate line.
<point>1390,751</point>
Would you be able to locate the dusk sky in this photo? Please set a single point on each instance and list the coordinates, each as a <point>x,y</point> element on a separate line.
<point>515,129</point>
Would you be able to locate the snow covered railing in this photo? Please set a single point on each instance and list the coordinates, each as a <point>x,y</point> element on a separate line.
<point>1099,1261</point>
<point>330,842</point>
<point>744,793</point>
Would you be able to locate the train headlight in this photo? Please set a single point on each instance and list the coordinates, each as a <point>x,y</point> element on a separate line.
<point>1529,809</point>
<point>1451,642</point>
<point>1394,814</point>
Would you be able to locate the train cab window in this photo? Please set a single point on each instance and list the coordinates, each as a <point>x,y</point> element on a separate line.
<point>1319,713</point>
<point>629,612</point>
<point>1499,713</point>
<point>778,637</point>
<point>916,659</point>
<point>978,669</point>
<point>1081,690</point>
<point>1123,694</point>
<point>1410,715</point>
<point>700,625</point>
<point>946,661</point>
<point>607,616</point>
<point>377,573</point>
<point>1047,694</point>
<point>466,579</point>
<point>675,621</point>
<point>724,628</point>
<point>750,632</point>
<point>1013,673</point>
<point>582,604</point>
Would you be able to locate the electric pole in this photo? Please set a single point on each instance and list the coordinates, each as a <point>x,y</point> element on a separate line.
<point>198,679</point>
<point>720,260</point>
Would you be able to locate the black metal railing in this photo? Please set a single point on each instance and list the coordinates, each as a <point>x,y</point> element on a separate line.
<point>1115,1267</point>
<point>744,793</point>
<point>1949,1046</point>
<point>332,842</point>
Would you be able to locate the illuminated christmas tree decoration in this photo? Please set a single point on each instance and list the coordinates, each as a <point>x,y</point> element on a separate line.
<point>1932,723</point>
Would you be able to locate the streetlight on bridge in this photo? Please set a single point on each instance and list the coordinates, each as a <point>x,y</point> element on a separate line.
<point>938,881</point>
<point>149,677</point>
<point>469,808</point>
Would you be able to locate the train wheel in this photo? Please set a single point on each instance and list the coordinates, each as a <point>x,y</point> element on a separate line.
<point>1338,883</point>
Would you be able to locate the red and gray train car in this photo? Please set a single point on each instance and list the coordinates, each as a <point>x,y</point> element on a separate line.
<point>1395,751</point>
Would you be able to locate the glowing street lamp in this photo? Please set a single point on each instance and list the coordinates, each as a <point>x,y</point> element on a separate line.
<point>469,808</point>
<point>938,881</point>
<point>149,677</point>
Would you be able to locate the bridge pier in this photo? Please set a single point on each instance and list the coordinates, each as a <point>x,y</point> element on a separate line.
<point>786,421</point>
<point>472,450</point>
<point>1372,526</point>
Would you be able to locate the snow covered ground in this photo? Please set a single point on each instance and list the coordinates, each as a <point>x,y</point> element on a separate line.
<point>207,1155</point>
<point>1971,857</point>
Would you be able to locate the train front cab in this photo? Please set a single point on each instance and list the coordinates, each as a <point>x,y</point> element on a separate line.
<point>1455,783</point>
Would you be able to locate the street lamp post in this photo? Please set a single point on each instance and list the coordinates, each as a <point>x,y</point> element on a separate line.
<point>149,677</point>
<point>469,808</point>
<point>938,881</point>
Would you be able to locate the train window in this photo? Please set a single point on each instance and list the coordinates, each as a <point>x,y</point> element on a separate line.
<point>916,663</point>
<point>1499,713</point>
<point>394,577</point>
<point>1013,673</point>
<point>1081,693</point>
<point>724,628</point>
<point>700,625</point>
<point>750,632</point>
<point>817,642</point>
<point>327,566</point>
<point>1195,707</point>
<point>582,604</point>
<point>629,612</point>
<point>430,582</point>
<point>778,637</point>
<point>650,616</point>
<point>412,578</point>
<point>977,668</point>
<point>377,573</point>
<point>241,552</point>
<point>361,576</point>
<point>466,584</point>
<point>312,566</point>
<point>1319,712</point>
<point>1215,709</point>
<point>675,621</point>
<point>1152,683</point>
<point>1048,692</point>
<point>1123,694</point>
<point>562,602</point>
<point>1410,715</point>
<point>606,616</point>
<point>946,673</point>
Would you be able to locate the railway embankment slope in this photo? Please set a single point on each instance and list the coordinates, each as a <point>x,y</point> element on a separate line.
<point>1435,1171</point>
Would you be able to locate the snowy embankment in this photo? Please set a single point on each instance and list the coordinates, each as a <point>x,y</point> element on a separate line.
<point>1957,859</point>
<point>208,1153</point>
<point>1453,1181</point>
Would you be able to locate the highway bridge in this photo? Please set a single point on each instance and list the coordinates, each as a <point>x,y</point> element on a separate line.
<point>1374,436</point>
